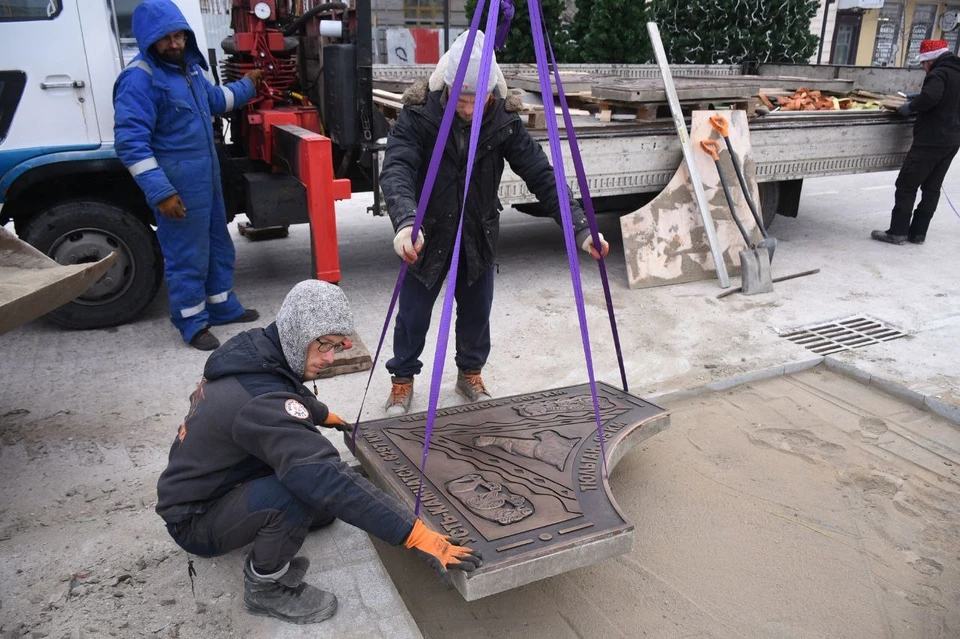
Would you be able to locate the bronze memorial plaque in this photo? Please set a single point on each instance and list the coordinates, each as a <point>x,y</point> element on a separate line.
<point>519,478</point>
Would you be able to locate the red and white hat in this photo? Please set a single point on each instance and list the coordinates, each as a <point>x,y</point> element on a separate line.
<point>932,49</point>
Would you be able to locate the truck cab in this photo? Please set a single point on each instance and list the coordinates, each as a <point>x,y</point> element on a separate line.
<point>61,182</point>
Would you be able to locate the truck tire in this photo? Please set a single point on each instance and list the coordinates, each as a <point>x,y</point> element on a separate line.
<point>79,231</point>
<point>769,201</point>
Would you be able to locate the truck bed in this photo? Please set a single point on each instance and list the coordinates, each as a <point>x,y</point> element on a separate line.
<point>631,157</point>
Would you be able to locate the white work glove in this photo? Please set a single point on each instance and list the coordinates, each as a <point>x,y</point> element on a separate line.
<point>403,244</point>
<point>588,247</point>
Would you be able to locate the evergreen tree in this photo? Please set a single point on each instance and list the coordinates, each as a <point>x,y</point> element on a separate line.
<point>519,45</point>
<point>611,31</point>
<point>731,31</point>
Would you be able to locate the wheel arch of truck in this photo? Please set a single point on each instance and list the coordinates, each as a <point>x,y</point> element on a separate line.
<point>25,173</point>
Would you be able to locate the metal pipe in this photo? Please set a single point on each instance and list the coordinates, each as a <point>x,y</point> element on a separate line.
<point>364,44</point>
<point>823,28</point>
<point>301,22</point>
<point>446,25</point>
<point>116,32</point>
<point>684,135</point>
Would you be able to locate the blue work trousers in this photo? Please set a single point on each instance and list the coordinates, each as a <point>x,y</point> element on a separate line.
<point>474,303</point>
<point>261,512</point>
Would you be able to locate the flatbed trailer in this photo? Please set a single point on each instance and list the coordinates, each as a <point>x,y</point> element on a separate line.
<point>627,163</point>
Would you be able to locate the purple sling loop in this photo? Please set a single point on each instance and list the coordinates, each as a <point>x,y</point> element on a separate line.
<point>431,178</point>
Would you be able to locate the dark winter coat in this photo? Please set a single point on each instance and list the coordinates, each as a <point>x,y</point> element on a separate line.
<point>502,137</point>
<point>938,105</point>
<point>250,417</point>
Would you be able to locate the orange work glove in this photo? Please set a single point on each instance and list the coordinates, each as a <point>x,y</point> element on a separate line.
<point>172,207</point>
<point>442,552</point>
<point>254,76</point>
<point>335,421</point>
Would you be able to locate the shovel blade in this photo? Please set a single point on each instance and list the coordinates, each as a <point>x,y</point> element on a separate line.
<point>770,245</point>
<point>755,272</point>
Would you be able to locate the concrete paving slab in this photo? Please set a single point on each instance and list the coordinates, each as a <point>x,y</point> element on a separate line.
<point>755,519</point>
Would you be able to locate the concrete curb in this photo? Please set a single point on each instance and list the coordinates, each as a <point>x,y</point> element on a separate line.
<point>935,405</point>
<point>736,380</point>
<point>946,410</point>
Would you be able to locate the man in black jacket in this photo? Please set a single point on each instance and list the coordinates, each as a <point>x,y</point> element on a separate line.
<point>249,465</point>
<point>409,148</point>
<point>936,139</point>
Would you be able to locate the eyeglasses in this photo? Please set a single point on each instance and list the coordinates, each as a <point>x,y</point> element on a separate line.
<point>177,36</point>
<point>326,347</point>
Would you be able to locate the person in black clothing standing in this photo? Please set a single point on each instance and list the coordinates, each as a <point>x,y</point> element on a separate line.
<point>936,139</point>
<point>503,138</point>
<point>248,464</point>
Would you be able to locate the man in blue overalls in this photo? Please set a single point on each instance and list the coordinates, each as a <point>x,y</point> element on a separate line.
<point>164,136</point>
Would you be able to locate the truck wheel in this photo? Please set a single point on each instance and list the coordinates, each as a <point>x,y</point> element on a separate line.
<point>82,231</point>
<point>769,201</point>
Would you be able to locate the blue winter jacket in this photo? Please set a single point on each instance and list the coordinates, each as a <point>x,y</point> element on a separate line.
<point>163,111</point>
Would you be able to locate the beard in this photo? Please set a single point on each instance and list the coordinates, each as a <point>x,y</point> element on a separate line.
<point>173,56</point>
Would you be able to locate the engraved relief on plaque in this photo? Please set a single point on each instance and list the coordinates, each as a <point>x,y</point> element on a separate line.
<point>548,447</point>
<point>489,499</point>
<point>512,473</point>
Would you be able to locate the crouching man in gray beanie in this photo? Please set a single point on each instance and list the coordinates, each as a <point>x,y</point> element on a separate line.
<point>249,466</point>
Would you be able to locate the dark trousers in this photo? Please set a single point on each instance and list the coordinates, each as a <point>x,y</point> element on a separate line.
<point>261,512</point>
<point>413,321</point>
<point>924,168</point>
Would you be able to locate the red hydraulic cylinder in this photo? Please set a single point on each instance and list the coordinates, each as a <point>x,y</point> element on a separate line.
<point>308,156</point>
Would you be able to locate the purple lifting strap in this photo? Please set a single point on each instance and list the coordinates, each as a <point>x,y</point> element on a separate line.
<point>443,333</point>
<point>536,24</point>
<point>588,209</point>
<point>442,135</point>
<point>563,195</point>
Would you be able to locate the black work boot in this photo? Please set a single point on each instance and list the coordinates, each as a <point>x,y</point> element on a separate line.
<point>249,315</point>
<point>205,341</point>
<point>299,604</point>
<point>883,236</point>
<point>917,239</point>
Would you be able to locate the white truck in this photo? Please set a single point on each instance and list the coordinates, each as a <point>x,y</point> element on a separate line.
<point>68,195</point>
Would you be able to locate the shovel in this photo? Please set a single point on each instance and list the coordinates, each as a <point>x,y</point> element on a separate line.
<point>720,126</point>
<point>754,264</point>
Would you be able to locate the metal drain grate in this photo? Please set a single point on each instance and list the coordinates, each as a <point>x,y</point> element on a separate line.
<point>843,335</point>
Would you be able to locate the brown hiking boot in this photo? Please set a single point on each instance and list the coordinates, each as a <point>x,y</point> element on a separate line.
<point>401,394</point>
<point>470,386</point>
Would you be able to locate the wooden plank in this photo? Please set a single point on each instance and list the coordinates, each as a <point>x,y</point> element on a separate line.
<point>649,90</point>
<point>572,82</point>
<point>788,83</point>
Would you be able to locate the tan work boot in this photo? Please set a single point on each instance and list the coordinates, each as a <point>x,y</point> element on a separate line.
<point>470,386</point>
<point>401,394</point>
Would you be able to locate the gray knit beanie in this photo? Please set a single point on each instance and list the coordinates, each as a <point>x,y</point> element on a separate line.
<point>311,309</point>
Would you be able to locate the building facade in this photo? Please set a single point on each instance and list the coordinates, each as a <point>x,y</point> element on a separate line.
<point>887,33</point>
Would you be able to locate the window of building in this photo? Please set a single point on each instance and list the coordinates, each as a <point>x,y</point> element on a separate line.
<point>887,44</point>
<point>24,10</point>
<point>846,37</point>
<point>953,36</point>
<point>921,29</point>
<point>423,13</point>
